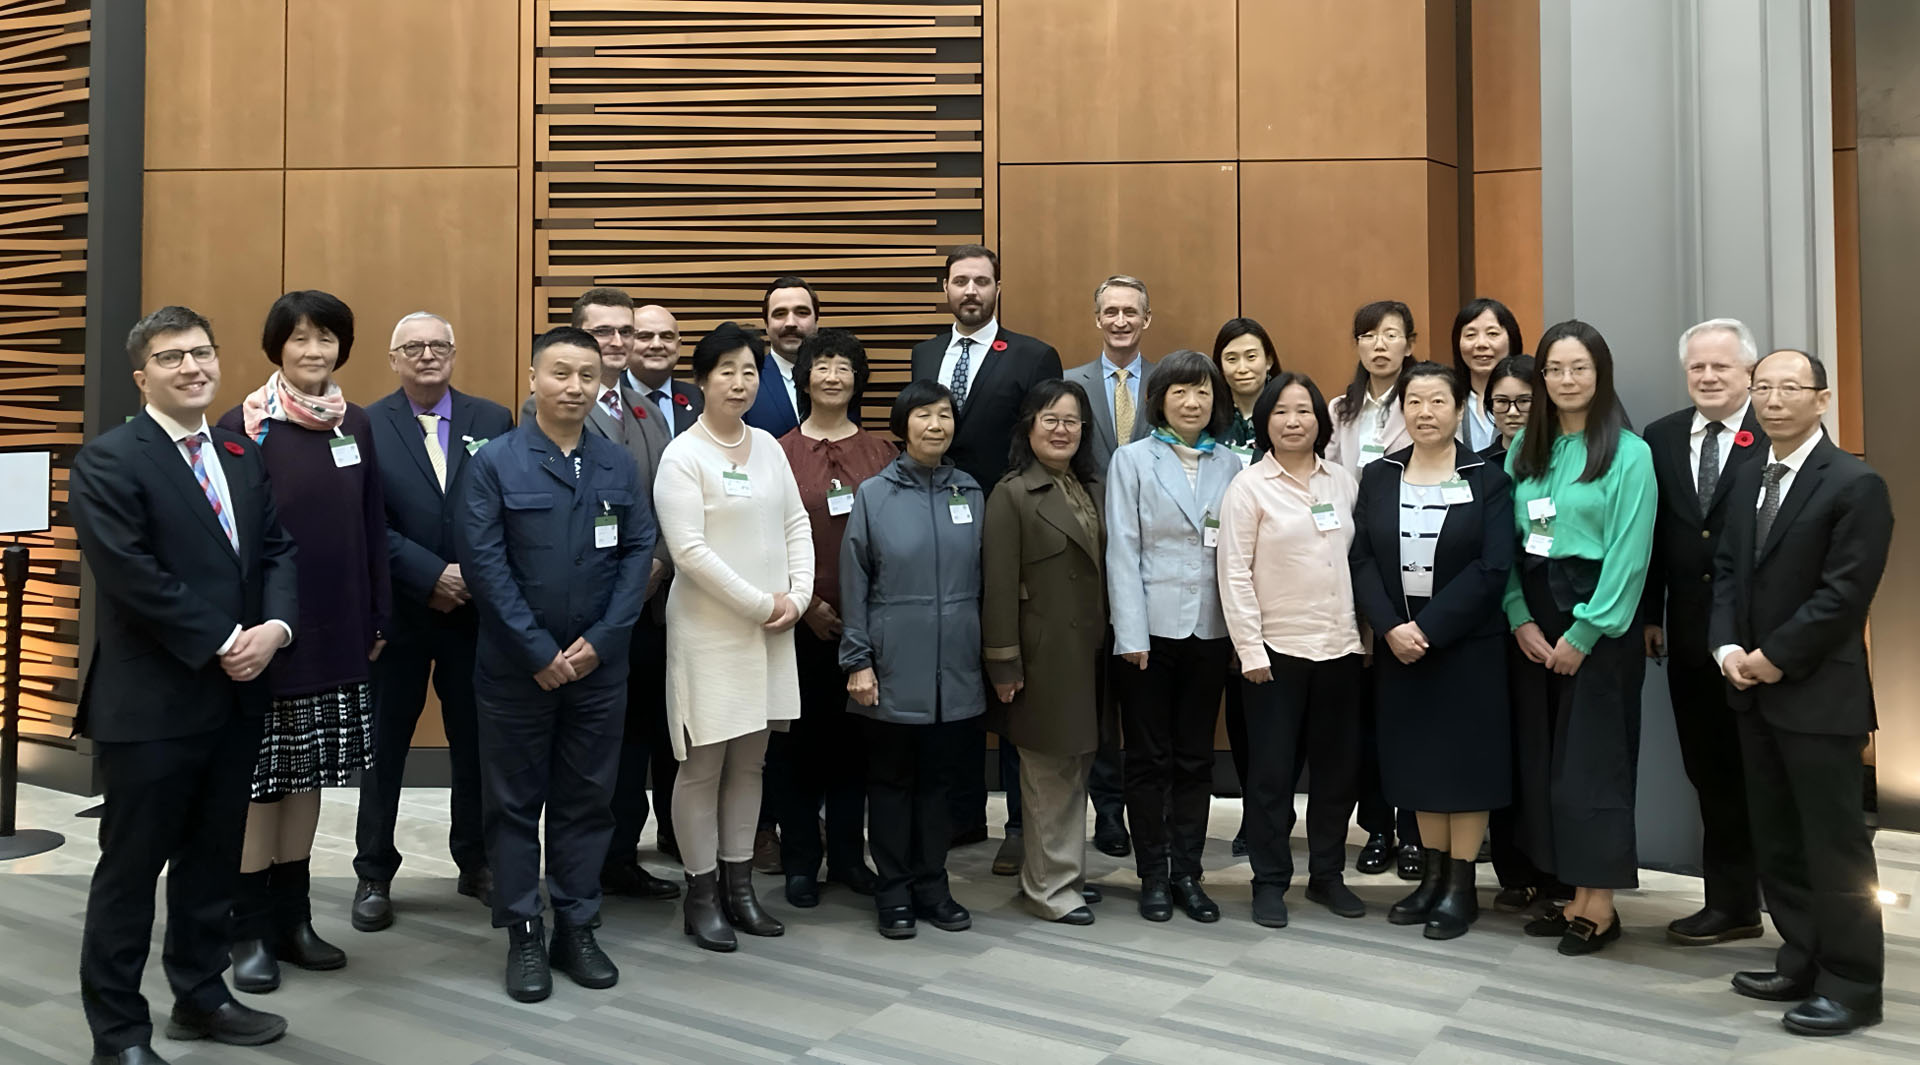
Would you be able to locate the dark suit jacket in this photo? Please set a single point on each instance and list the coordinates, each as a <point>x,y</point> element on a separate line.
<point>420,517</point>
<point>687,401</point>
<point>1679,592</point>
<point>171,586</point>
<point>772,410</point>
<point>984,431</point>
<point>1470,560</point>
<point>1804,601</point>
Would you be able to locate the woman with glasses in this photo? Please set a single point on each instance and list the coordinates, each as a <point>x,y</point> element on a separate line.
<point>1484,332</point>
<point>1583,510</point>
<point>319,455</point>
<point>1508,397</point>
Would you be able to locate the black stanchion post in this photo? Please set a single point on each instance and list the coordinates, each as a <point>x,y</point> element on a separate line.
<point>16,844</point>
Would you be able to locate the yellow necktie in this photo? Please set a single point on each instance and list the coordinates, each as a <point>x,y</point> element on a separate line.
<point>435,456</point>
<point>1122,409</point>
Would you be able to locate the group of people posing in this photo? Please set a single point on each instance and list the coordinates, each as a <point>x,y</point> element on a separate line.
<point>1435,593</point>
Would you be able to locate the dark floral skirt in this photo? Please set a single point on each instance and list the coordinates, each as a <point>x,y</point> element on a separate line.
<point>314,741</point>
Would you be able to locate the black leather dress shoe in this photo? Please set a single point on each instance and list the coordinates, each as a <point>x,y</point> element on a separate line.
<point>1270,907</point>
<point>896,922</point>
<point>1239,845</point>
<point>1079,915</point>
<point>372,905</point>
<point>140,1055</point>
<point>1193,901</point>
<point>299,945</point>
<point>1583,936</point>
<point>254,969</point>
<point>575,952</point>
<point>803,891</point>
<point>1156,899</point>
<point>1375,856</point>
<point>1771,987</point>
<point>1549,925</point>
<point>1110,835</point>
<point>631,880</point>
<point>1712,926</point>
<point>1408,861</point>
<point>1821,1015</point>
<point>946,915</point>
<point>232,1023</point>
<point>859,879</point>
<point>1335,895</point>
<point>1091,894</point>
<point>476,884</point>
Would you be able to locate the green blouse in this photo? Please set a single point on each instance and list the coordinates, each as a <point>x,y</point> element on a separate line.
<point>1609,520</point>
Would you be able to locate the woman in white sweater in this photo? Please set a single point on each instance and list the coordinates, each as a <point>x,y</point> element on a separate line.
<point>732,519</point>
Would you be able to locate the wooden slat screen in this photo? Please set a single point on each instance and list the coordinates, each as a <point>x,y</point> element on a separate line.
<point>43,266</point>
<point>690,151</point>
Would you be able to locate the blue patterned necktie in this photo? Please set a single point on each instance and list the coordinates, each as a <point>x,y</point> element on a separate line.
<point>959,383</point>
<point>193,444</point>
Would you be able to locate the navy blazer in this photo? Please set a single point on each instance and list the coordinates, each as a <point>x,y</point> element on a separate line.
<point>1470,561</point>
<point>772,411</point>
<point>420,516</point>
<point>526,548</point>
<point>171,586</point>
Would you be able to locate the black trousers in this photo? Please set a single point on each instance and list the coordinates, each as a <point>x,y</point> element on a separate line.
<point>1307,705</point>
<point>1375,814</point>
<point>646,750</point>
<point>1710,750</point>
<point>822,760</point>
<point>179,804</point>
<point>1106,780</point>
<point>1167,716</point>
<point>555,752</point>
<point>1525,826</point>
<point>1816,861</point>
<point>910,778</point>
<point>399,686</point>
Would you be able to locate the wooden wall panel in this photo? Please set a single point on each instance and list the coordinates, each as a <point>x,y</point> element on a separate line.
<point>1067,228</point>
<point>1506,246</point>
<point>1506,84</point>
<point>211,241</point>
<point>396,83</point>
<point>1318,239</point>
<point>1117,80</point>
<point>1337,79</point>
<point>216,74</point>
<point>434,240</point>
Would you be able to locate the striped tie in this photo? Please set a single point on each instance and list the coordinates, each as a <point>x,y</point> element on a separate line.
<point>206,485</point>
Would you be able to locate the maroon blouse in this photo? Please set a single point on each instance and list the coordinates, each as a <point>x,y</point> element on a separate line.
<point>816,465</point>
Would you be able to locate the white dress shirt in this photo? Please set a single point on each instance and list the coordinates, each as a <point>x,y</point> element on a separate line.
<point>1698,436</point>
<point>983,339</point>
<point>1793,463</point>
<point>664,403</point>
<point>786,378</point>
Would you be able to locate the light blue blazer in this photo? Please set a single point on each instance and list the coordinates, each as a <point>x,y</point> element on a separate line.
<point>1160,573</point>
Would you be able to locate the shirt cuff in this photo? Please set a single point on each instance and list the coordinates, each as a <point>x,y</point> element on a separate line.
<point>1582,635</point>
<point>1721,652</point>
<point>284,628</point>
<point>228,645</point>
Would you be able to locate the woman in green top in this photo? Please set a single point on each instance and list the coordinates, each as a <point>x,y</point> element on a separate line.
<point>1583,503</point>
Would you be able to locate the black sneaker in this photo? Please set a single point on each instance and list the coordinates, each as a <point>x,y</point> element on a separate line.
<point>529,978</point>
<point>575,952</point>
<point>1335,895</point>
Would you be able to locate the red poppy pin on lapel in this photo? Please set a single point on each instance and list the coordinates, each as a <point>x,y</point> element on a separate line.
<point>233,447</point>
<point>1743,439</point>
<point>999,345</point>
<point>639,411</point>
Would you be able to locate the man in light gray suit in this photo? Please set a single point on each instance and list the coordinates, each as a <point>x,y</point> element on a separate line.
<point>1116,382</point>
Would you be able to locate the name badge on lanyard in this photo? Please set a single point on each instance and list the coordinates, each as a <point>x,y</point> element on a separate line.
<point>606,529</point>
<point>736,483</point>
<point>1325,518</point>
<point>346,451</point>
<point>1244,454</point>
<point>958,510</point>
<point>1452,492</point>
<point>1540,522</point>
<point>1370,452</point>
<point>1209,530</point>
<point>839,499</point>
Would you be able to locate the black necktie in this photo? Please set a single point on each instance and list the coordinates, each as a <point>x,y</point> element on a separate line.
<point>1709,475</point>
<point>1769,506</point>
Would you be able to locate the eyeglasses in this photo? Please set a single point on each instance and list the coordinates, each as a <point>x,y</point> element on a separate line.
<point>1389,335</point>
<point>1788,391</point>
<point>602,332</point>
<point>1050,422</point>
<point>413,349</point>
<point>172,357</point>
<point>1503,404</point>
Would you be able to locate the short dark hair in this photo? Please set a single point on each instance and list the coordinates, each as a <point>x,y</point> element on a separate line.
<point>169,319</point>
<point>323,309</point>
<point>970,251</point>
<point>1188,368</point>
<point>721,339</point>
<point>824,344</point>
<point>1456,380</point>
<point>1234,329</point>
<point>787,281</point>
<point>563,334</point>
<point>1605,417</point>
<point>1365,320</point>
<point>598,297</point>
<point>1819,368</point>
<point>1515,342</point>
<point>1045,393</point>
<point>1518,367</point>
<point>1270,398</point>
<point>916,394</point>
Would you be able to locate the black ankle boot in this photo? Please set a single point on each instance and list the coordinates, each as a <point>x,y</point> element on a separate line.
<point>1459,904</point>
<point>529,976</point>
<point>704,919</point>
<point>1416,907</point>
<point>742,907</point>
<point>295,942</point>
<point>251,924</point>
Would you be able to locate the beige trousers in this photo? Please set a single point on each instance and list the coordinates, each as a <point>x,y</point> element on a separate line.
<point>716,801</point>
<point>1053,813</point>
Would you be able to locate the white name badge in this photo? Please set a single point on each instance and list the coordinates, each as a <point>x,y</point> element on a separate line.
<point>1210,531</point>
<point>1244,454</point>
<point>606,531</point>
<point>839,500</point>
<point>1452,492</point>
<point>1325,518</point>
<point>958,509</point>
<point>473,446</point>
<point>736,483</point>
<point>1539,544</point>
<point>1369,452</point>
<point>1539,509</point>
<point>346,452</point>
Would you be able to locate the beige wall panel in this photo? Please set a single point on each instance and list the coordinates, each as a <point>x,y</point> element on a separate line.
<point>394,241</point>
<point>1334,79</point>
<point>393,83</point>
<point>1318,239</point>
<point>211,241</point>
<point>1506,246</point>
<point>215,74</point>
<point>1506,84</point>
<point>1064,229</point>
<point>1116,80</point>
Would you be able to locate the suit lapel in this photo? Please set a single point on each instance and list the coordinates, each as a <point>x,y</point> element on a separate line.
<point>1054,508</point>
<point>1805,483</point>
<point>1738,458</point>
<point>1166,470</point>
<point>601,422</point>
<point>459,427</point>
<point>414,439</point>
<point>174,470</point>
<point>927,367</point>
<point>1094,380</point>
<point>983,375</point>
<point>648,431</point>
